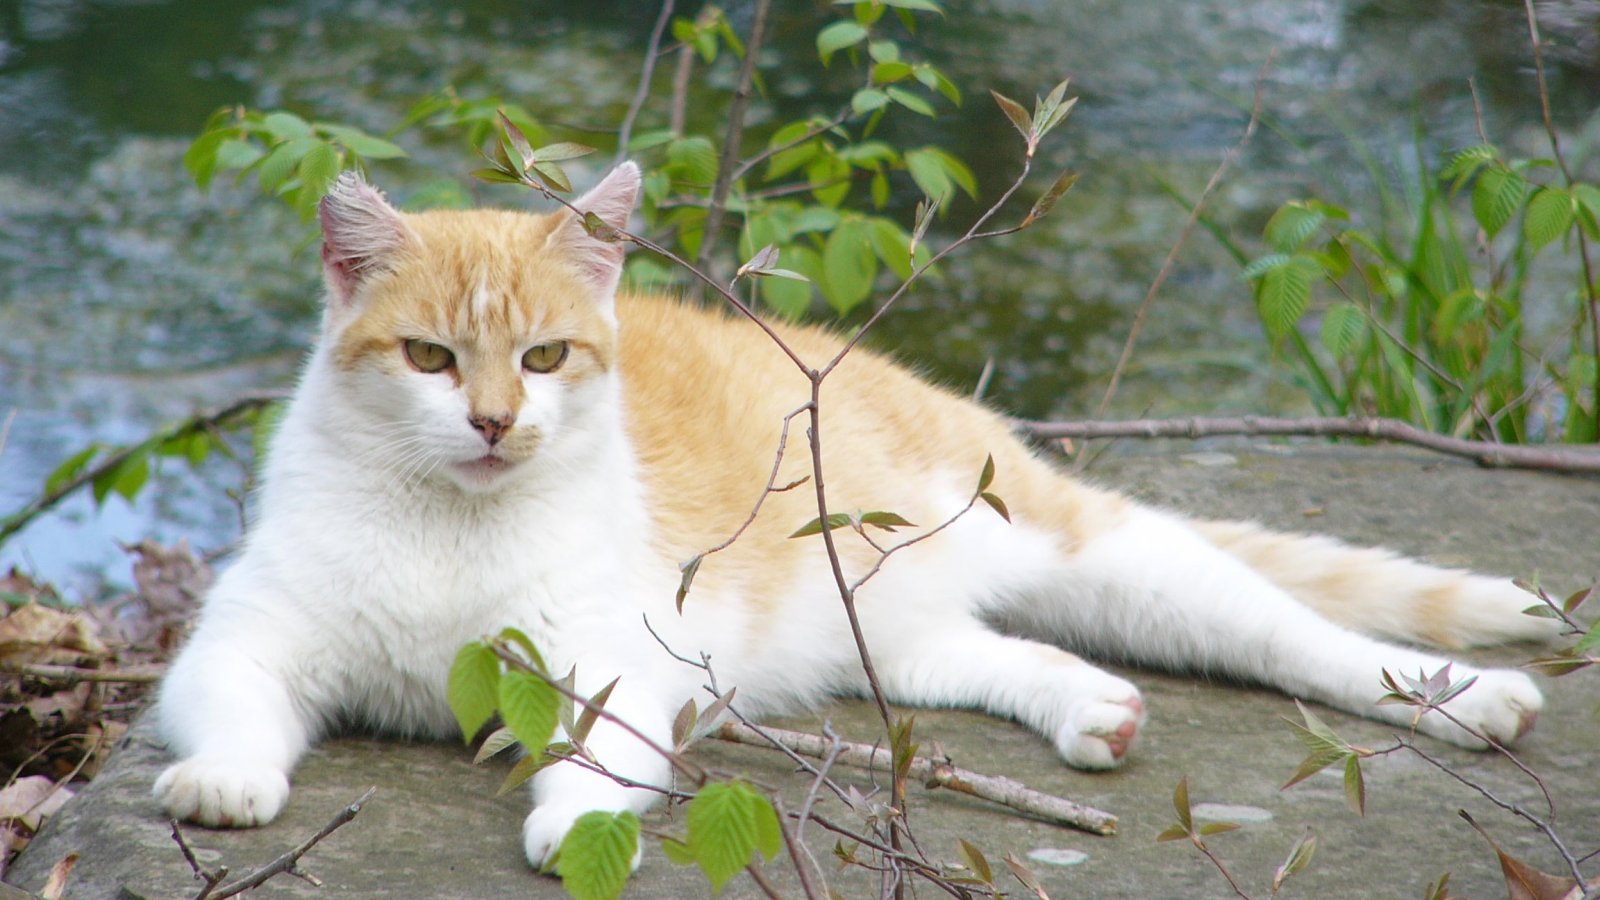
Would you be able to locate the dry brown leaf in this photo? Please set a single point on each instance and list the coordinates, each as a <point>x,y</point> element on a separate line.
<point>29,801</point>
<point>56,886</point>
<point>1524,882</point>
<point>34,633</point>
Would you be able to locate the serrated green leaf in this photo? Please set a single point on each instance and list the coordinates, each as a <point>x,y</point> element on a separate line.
<point>473,687</point>
<point>837,36</point>
<point>201,156</point>
<point>1496,197</point>
<point>597,854</point>
<point>1292,225</point>
<point>531,652</point>
<point>233,154</point>
<point>728,821</point>
<point>693,159</point>
<point>1263,265</point>
<point>528,704</point>
<point>1550,213</point>
<point>1468,161</point>
<point>282,160</point>
<point>1284,294</point>
<point>1343,326</point>
<point>285,125</point>
<point>317,170</point>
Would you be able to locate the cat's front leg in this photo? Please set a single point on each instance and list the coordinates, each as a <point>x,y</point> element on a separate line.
<point>633,753</point>
<point>226,710</point>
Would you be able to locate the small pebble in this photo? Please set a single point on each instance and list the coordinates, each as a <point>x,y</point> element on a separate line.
<point>1057,856</point>
<point>1224,812</point>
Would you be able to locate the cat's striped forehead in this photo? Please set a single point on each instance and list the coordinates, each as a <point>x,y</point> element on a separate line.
<point>484,277</point>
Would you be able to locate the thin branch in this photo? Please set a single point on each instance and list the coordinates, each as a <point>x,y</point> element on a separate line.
<point>44,502</point>
<point>1497,456</point>
<point>838,119</point>
<point>1183,237</point>
<point>795,846</point>
<point>289,860</point>
<point>71,675</point>
<point>1221,868</point>
<point>730,142</point>
<point>935,774</point>
<point>211,879</point>
<point>645,75</point>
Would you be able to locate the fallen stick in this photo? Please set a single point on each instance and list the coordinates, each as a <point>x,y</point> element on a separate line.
<point>933,773</point>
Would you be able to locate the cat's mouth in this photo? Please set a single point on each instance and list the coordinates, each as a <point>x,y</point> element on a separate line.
<point>485,466</point>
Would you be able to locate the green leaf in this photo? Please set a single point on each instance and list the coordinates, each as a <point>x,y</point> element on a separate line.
<point>792,298</point>
<point>688,568</point>
<point>561,151</point>
<point>1292,224</point>
<point>1047,200</point>
<point>528,704</point>
<point>891,245</point>
<point>935,80</point>
<point>1355,787</point>
<point>932,167</point>
<point>849,265</point>
<point>529,651</point>
<point>975,861</point>
<point>265,428</point>
<point>919,5</point>
<point>1298,859</point>
<point>683,723</point>
<point>70,468</point>
<point>1263,265</point>
<point>1180,804</point>
<point>596,856</point>
<point>1172,833</point>
<point>986,477</point>
<point>1342,327</point>
<point>910,101</point>
<point>996,504</point>
<point>525,768</point>
<point>282,160</point>
<point>201,157</point>
<point>591,712</point>
<point>1016,113</point>
<point>499,740</point>
<point>1551,211</point>
<point>317,170</point>
<point>360,143</point>
<point>868,99</point>
<point>473,687</point>
<point>728,821</point>
<point>1285,291</point>
<point>891,71</point>
<point>838,36</point>
<point>128,478</point>
<point>888,521</point>
<point>693,159</point>
<point>1468,161</point>
<point>1211,828</point>
<point>285,126</point>
<point>835,520</point>
<point>1496,197</point>
<point>234,154</point>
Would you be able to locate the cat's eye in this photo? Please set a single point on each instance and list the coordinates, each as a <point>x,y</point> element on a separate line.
<point>426,356</point>
<point>545,357</point>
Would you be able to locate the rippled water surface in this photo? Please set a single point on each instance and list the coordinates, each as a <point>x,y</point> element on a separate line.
<point>129,299</point>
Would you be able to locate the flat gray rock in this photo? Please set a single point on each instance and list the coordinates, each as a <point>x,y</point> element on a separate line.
<point>435,829</point>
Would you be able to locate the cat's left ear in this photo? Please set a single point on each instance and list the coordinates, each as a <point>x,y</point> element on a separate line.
<point>361,233</point>
<point>612,200</point>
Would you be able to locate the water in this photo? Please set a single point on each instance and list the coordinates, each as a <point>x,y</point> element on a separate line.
<point>129,299</point>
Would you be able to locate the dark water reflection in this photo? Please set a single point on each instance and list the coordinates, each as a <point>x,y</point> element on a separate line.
<point>127,298</point>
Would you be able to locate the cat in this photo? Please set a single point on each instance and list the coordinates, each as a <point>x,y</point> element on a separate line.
<point>487,434</point>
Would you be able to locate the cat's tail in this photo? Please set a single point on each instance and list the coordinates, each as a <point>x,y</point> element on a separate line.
<point>1381,594</point>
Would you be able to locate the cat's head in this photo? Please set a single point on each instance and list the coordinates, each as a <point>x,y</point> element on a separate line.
<point>469,343</point>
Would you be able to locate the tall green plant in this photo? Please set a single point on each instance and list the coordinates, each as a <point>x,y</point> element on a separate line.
<point>1426,320</point>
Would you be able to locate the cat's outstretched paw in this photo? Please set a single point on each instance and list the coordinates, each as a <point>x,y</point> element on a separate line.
<point>1502,704</point>
<point>1099,731</point>
<point>547,826</point>
<point>221,794</point>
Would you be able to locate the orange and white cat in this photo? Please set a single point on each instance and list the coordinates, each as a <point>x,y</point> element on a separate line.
<point>485,435</point>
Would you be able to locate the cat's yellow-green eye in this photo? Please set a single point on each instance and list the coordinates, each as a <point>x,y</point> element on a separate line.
<point>545,357</point>
<point>426,356</point>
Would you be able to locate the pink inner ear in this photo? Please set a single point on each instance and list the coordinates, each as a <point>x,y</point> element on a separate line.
<point>612,200</point>
<point>360,232</point>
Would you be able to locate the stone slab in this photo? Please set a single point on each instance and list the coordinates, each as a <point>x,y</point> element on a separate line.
<point>435,828</point>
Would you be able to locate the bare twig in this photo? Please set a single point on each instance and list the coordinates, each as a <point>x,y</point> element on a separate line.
<point>645,75</point>
<point>289,861</point>
<point>730,141</point>
<point>1570,460</point>
<point>1183,237</point>
<point>934,773</point>
<point>211,878</point>
<point>1221,868</point>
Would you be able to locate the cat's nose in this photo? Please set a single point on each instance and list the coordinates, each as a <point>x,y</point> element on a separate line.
<point>493,428</point>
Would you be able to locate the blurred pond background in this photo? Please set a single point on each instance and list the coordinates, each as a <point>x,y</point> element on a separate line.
<point>129,299</point>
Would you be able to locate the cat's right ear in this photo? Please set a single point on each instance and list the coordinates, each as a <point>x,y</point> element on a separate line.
<point>361,233</point>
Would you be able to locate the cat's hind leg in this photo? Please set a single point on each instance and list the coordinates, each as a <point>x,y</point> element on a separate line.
<point>1150,588</point>
<point>1090,715</point>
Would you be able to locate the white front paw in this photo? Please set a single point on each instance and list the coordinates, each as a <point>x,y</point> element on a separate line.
<point>547,826</point>
<point>221,794</point>
<point>1502,704</point>
<point>1099,730</point>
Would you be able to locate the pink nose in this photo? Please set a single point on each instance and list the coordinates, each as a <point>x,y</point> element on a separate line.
<point>493,428</point>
